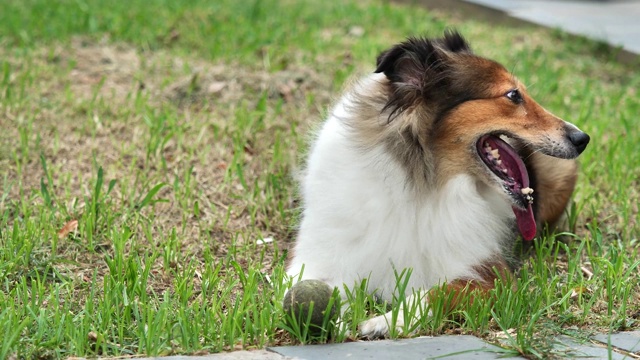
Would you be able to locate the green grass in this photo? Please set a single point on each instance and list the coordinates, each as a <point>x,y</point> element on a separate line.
<point>171,132</point>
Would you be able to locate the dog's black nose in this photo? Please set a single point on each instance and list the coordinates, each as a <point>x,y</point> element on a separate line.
<point>579,140</point>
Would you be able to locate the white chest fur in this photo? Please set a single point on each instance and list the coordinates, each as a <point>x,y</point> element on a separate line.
<point>361,219</point>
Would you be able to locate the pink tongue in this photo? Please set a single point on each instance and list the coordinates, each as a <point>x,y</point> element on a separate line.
<point>526,222</point>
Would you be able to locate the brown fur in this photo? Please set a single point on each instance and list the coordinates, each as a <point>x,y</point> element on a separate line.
<point>555,181</point>
<point>463,292</point>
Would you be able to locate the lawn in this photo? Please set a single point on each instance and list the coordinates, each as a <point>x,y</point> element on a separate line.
<point>149,151</point>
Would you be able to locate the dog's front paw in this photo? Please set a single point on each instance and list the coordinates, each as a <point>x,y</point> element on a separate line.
<point>379,326</point>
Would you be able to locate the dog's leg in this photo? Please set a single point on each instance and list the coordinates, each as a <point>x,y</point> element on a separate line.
<point>380,326</point>
<point>458,293</point>
<point>455,292</point>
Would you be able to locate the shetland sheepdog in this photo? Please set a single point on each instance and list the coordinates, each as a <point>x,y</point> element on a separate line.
<point>437,162</point>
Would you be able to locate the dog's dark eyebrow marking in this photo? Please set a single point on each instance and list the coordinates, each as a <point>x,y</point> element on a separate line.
<point>443,112</point>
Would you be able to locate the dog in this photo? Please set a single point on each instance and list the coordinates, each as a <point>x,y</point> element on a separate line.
<point>437,162</point>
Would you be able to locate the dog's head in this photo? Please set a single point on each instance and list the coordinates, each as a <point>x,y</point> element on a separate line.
<point>468,114</point>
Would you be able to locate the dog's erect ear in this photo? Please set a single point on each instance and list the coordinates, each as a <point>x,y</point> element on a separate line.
<point>417,66</point>
<point>407,63</point>
<point>454,42</point>
<point>412,61</point>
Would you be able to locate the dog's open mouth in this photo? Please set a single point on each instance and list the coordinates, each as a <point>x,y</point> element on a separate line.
<point>506,164</point>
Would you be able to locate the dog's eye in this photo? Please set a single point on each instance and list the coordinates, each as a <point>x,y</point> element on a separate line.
<point>515,96</point>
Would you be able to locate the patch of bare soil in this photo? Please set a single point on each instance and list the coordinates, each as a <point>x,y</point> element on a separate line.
<point>117,71</point>
<point>152,117</point>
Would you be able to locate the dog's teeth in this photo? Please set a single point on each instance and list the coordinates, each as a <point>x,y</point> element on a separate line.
<point>527,194</point>
<point>505,170</point>
<point>495,153</point>
<point>499,162</point>
<point>526,191</point>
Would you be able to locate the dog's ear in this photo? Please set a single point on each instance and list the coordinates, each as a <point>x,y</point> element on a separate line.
<point>409,62</point>
<point>406,63</point>
<point>417,66</point>
<point>454,42</point>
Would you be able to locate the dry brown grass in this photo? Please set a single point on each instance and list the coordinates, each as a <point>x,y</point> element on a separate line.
<point>93,120</point>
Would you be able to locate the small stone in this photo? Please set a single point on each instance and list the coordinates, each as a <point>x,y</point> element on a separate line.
<point>216,87</point>
<point>92,336</point>
<point>356,31</point>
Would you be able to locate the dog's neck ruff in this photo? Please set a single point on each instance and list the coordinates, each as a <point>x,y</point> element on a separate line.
<point>358,202</point>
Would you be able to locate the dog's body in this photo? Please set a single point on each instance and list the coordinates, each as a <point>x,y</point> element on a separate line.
<point>428,164</point>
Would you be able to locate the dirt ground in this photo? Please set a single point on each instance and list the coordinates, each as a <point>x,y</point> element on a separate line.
<point>154,117</point>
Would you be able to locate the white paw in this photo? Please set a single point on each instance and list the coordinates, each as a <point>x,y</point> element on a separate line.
<point>379,326</point>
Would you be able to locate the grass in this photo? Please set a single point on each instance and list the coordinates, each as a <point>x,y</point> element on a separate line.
<point>147,148</point>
